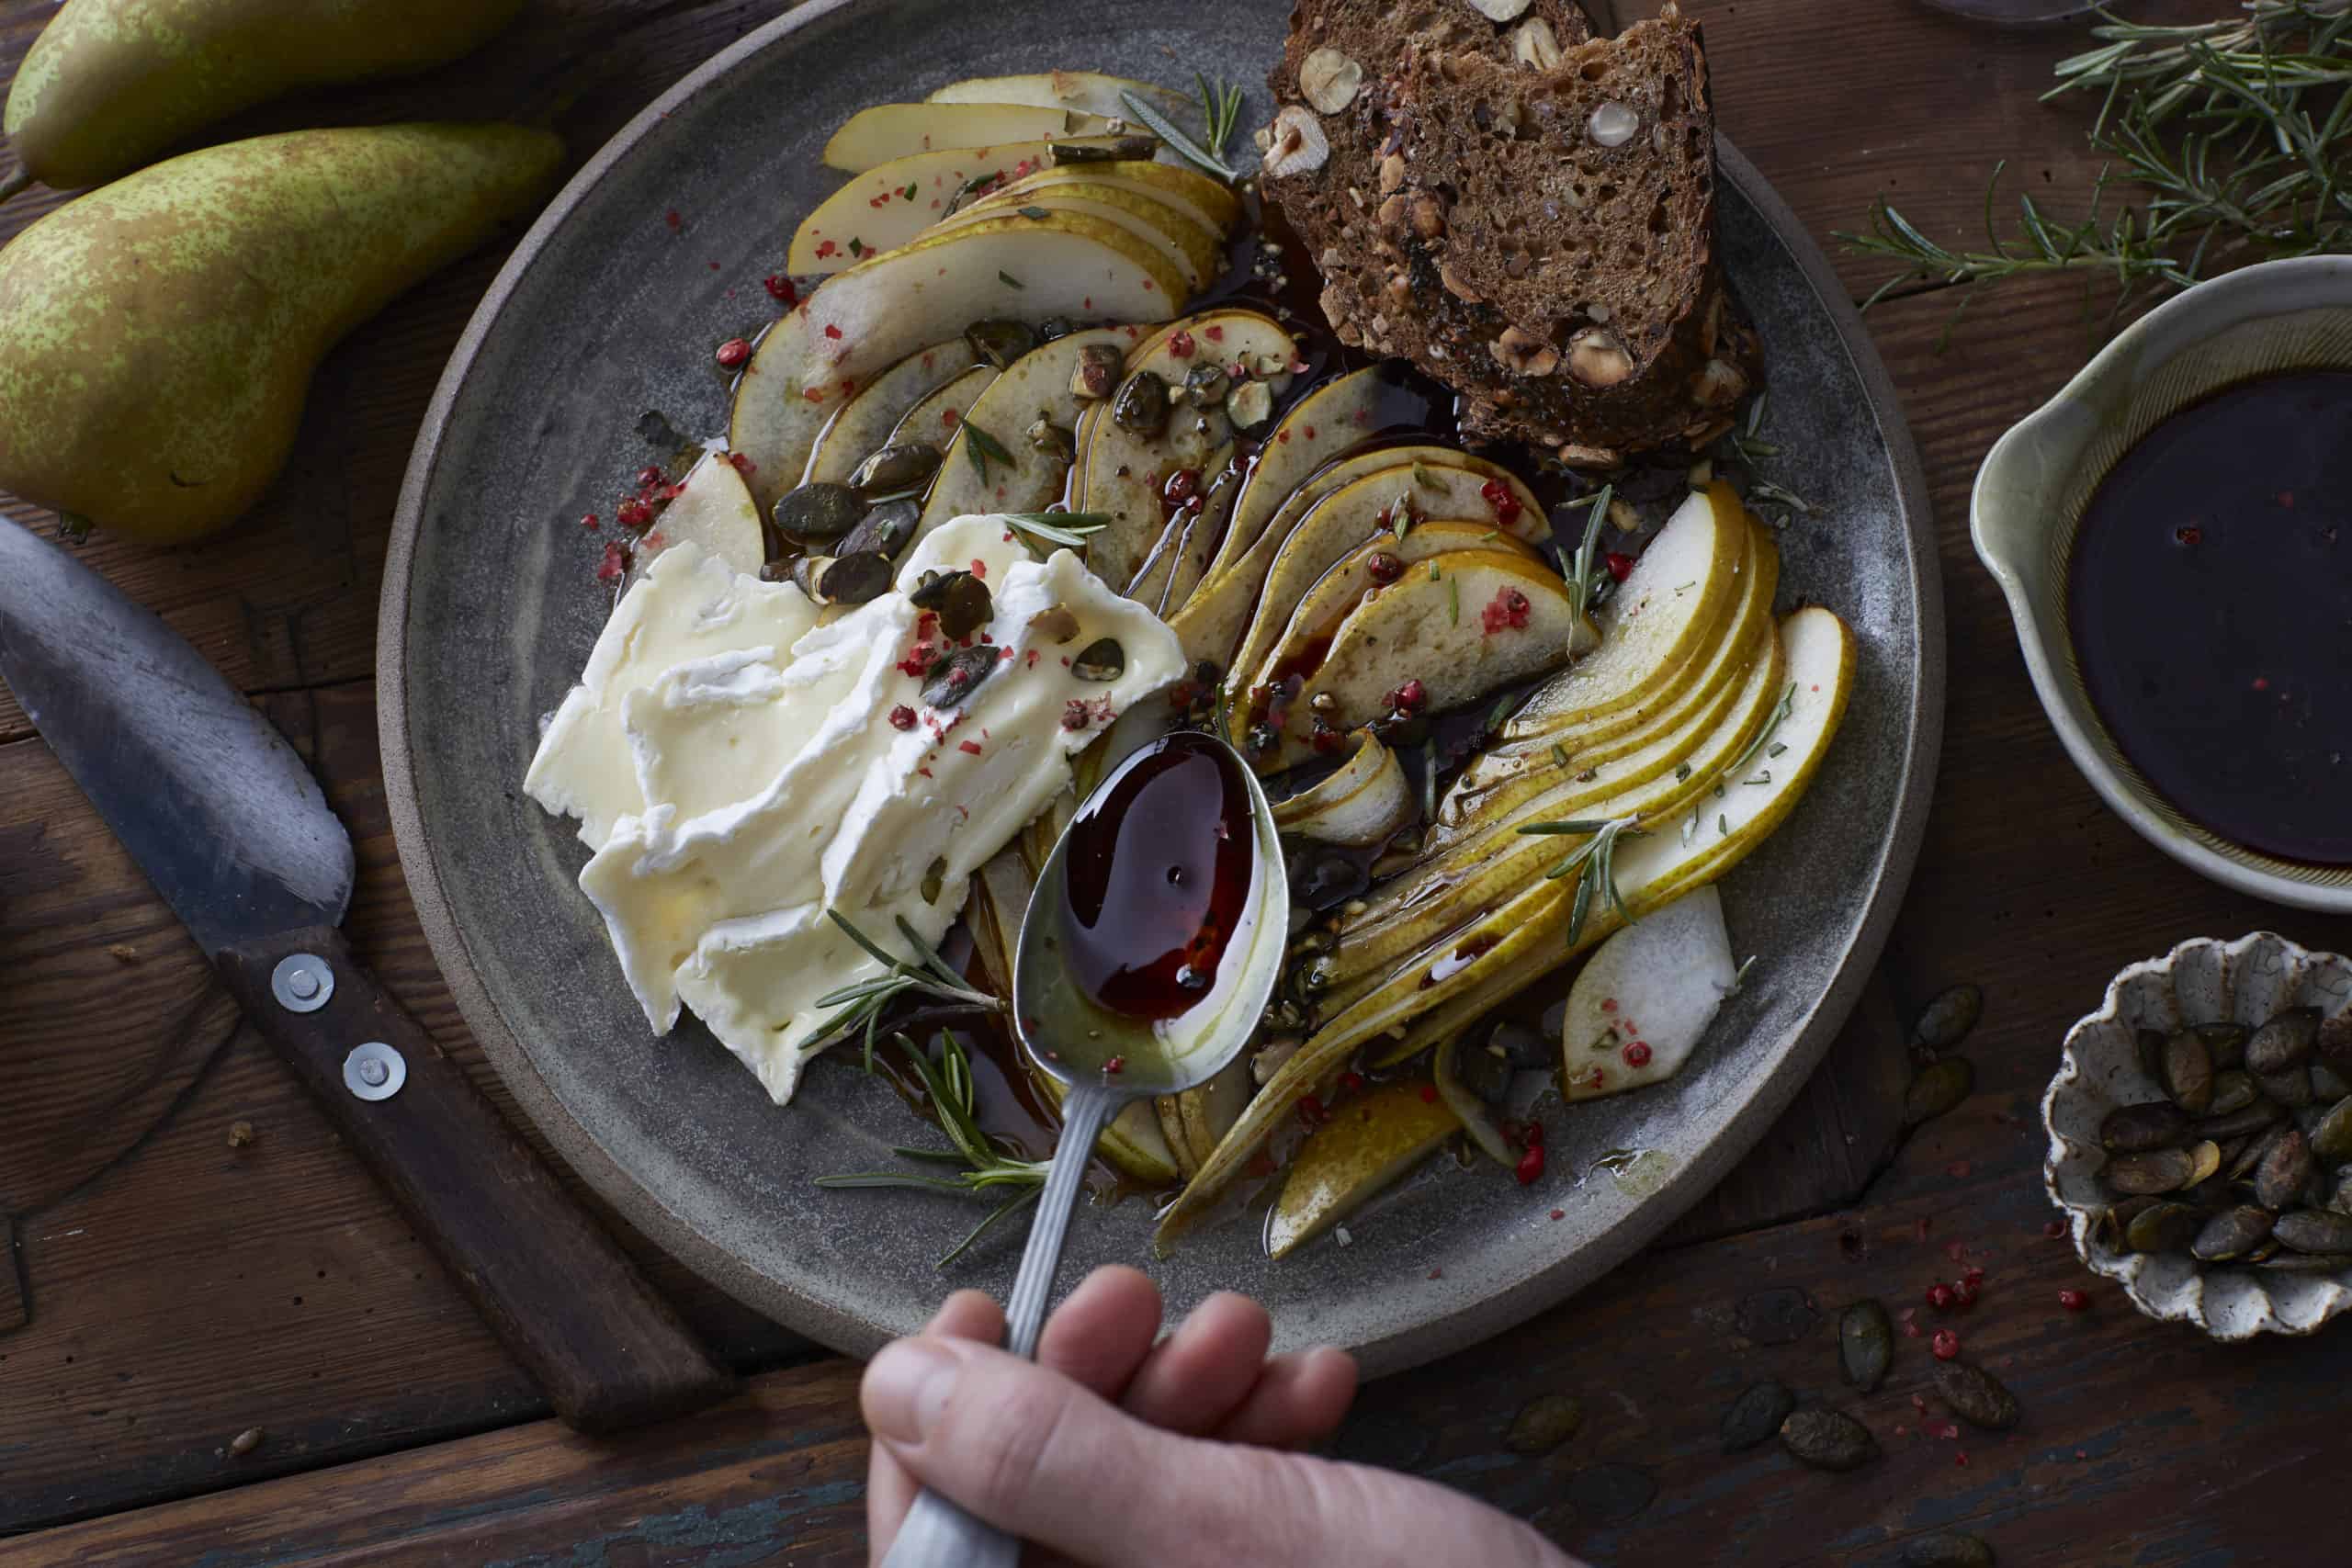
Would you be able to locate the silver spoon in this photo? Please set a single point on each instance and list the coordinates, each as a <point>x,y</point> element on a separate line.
<point>1106,1057</point>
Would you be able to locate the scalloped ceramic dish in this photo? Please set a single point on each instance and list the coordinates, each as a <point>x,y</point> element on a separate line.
<point>2029,496</point>
<point>2201,981</point>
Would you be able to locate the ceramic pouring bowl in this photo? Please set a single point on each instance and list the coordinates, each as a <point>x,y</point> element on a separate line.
<point>2030,494</point>
<point>2202,981</point>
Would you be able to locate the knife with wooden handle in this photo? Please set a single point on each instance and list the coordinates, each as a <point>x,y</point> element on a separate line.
<point>233,830</point>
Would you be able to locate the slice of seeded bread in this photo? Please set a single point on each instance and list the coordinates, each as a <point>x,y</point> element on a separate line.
<point>1539,233</point>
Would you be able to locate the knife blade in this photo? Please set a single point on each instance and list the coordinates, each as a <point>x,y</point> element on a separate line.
<point>213,804</point>
<point>237,837</point>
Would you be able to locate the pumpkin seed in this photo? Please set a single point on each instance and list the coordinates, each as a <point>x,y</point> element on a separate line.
<point>1206,385</point>
<point>2233,1091</point>
<point>2308,1262</point>
<point>2286,1169</point>
<point>2244,1154</point>
<point>1524,1047</point>
<point>2332,1138</point>
<point>2251,1117</point>
<point>2231,1233</point>
<point>2224,1042</point>
<point>2285,1042</point>
<point>958,675</point>
<point>1251,408</point>
<point>2163,1171</point>
<point>1946,1020</point>
<point>1000,342</point>
<point>1938,1088</point>
<point>2327,1083</point>
<point>961,601</point>
<point>819,510</point>
<point>2162,1228</point>
<point>2292,1089</point>
<point>1052,440</point>
<point>2135,1129</point>
<point>893,471</point>
<point>1126,149</point>
<point>1779,1317</point>
<point>1865,1344</point>
<point>886,529</point>
<point>2108,1224</point>
<point>2314,1230</point>
<point>2188,1072</point>
<point>1544,1423</point>
<point>1977,1396</point>
<point>843,580</point>
<point>1827,1440</point>
<point>1946,1549</point>
<point>1755,1415</point>
<point>1141,405</point>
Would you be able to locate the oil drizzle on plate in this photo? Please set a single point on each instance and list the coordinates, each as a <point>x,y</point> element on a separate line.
<point>2209,604</point>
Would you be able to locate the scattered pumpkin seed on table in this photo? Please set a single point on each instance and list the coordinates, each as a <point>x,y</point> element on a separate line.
<point>1757,1415</point>
<point>1977,1396</point>
<point>1544,1423</point>
<point>1865,1344</point>
<point>1829,1439</point>
<point>1946,1020</point>
<point>1946,1549</point>
<point>1937,1088</point>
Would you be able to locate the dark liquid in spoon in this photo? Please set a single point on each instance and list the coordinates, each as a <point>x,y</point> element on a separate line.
<point>1157,873</point>
<point>2210,602</point>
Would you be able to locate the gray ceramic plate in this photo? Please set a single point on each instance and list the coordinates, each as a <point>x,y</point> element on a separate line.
<point>490,606</point>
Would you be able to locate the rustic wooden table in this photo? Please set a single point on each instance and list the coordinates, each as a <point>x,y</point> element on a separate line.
<point>218,1343</point>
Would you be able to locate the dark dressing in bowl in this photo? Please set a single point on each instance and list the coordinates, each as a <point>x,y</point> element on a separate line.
<point>2209,606</point>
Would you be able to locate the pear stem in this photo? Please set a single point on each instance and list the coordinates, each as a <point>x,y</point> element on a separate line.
<point>11,183</point>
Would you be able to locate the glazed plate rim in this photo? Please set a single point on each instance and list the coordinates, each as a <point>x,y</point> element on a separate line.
<point>1452,1320</point>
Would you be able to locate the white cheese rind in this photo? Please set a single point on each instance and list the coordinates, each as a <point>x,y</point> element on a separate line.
<point>689,606</point>
<point>773,788</point>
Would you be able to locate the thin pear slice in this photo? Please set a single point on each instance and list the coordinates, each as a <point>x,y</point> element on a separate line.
<point>866,421</point>
<point>1199,541</point>
<point>1369,1141</point>
<point>1527,932</point>
<point>1157,575</point>
<point>1033,387</point>
<point>1655,622</point>
<point>877,134</point>
<point>1087,90</point>
<point>1214,622</point>
<point>773,421</point>
<point>1464,625</point>
<point>1209,1110</point>
<point>1315,620</point>
<point>1170,1116</point>
<point>1211,203</point>
<point>1366,803</point>
<point>1198,250</point>
<point>937,417</point>
<point>713,508</point>
<point>1127,471</point>
<point>1644,1000</point>
<point>1423,906</point>
<point>1509,772</point>
<point>1021,269</point>
<point>1334,418</point>
<point>887,206</point>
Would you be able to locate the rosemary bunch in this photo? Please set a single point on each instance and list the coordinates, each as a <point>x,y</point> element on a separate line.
<point>1599,849</point>
<point>988,1169</point>
<point>1220,113</point>
<point>864,1003</point>
<point>2238,134</point>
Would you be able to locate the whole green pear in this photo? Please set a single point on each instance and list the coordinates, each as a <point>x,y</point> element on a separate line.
<point>110,84</point>
<point>157,336</point>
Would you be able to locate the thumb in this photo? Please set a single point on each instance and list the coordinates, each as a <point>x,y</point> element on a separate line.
<point>1037,1455</point>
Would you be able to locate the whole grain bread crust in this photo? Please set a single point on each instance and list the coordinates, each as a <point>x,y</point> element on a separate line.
<point>1473,215</point>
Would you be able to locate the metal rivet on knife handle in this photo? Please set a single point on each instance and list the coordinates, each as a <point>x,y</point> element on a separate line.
<point>302,983</point>
<point>374,1071</point>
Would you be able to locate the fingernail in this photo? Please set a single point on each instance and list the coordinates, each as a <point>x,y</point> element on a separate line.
<point>906,1388</point>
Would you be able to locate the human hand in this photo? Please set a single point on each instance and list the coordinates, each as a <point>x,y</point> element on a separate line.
<point>1110,1451</point>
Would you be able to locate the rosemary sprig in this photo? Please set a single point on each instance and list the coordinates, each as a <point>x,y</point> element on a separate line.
<point>1600,848</point>
<point>1068,529</point>
<point>1220,112</point>
<point>949,1087</point>
<point>863,1003</point>
<point>1584,586</point>
<point>2238,131</point>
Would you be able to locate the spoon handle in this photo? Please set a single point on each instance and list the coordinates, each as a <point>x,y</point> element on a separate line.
<point>937,1533</point>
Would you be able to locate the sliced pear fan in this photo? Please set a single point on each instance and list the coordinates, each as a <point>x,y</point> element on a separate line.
<point>889,306</point>
<point>1367,802</point>
<point>1210,203</point>
<point>866,421</point>
<point>887,206</point>
<point>1527,934</point>
<point>937,417</point>
<point>1035,385</point>
<point>1368,1142</point>
<point>1642,1001</point>
<point>1169,228</point>
<point>884,131</point>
